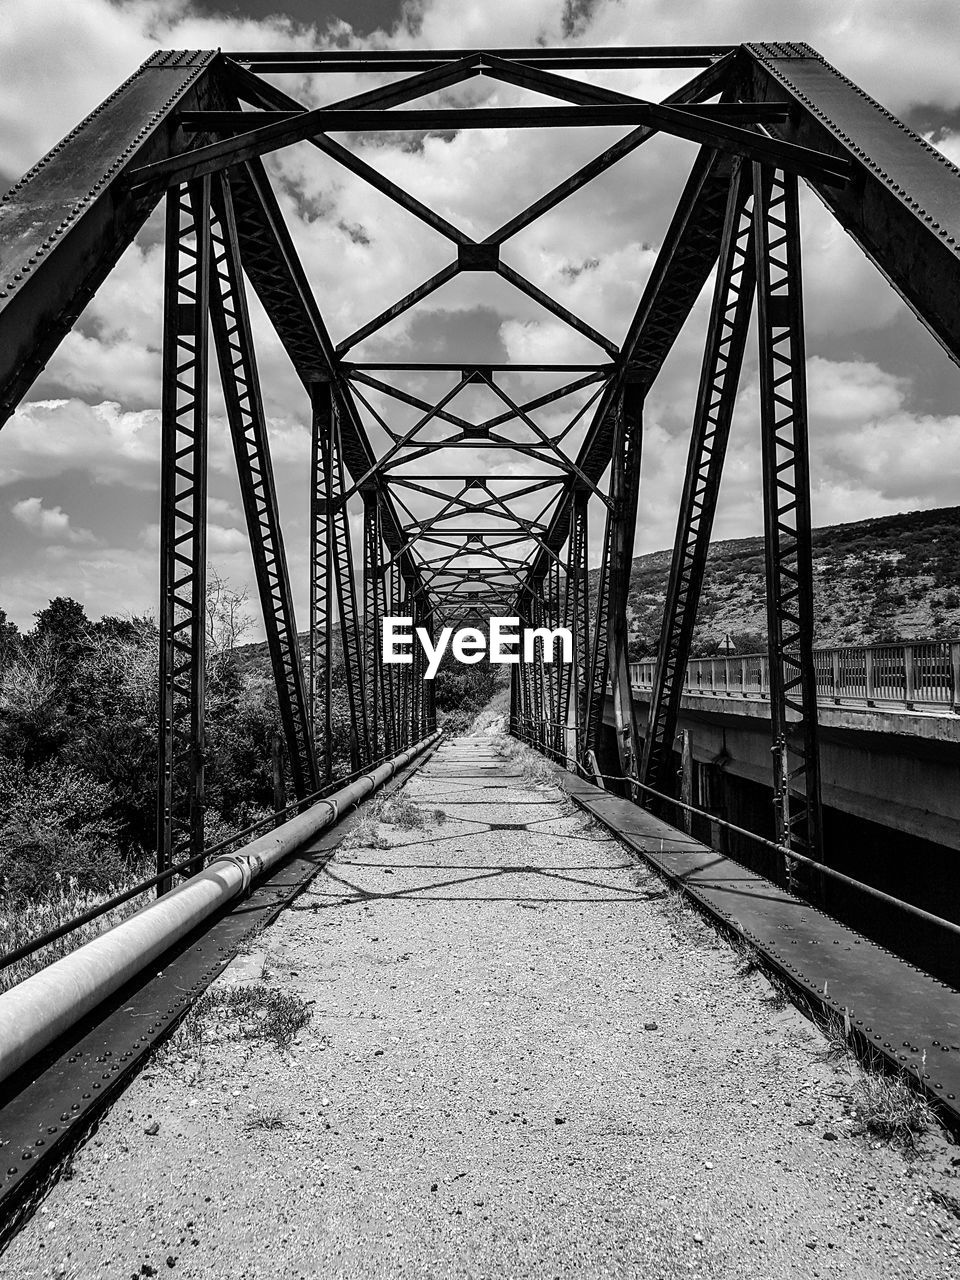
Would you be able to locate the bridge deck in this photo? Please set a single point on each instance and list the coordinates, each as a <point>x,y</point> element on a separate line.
<point>525,1059</point>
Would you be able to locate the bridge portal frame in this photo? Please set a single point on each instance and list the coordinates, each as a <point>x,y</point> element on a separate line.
<point>194,126</point>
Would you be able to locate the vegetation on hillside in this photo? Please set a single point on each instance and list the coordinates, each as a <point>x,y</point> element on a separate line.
<point>462,691</point>
<point>78,746</point>
<point>891,578</point>
<point>78,750</point>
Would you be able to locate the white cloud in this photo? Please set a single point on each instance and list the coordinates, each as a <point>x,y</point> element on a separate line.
<point>948,143</point>
<point>851,391</point>
<point>97,406</point>
<point>48,437</point>
<point>52,523</point>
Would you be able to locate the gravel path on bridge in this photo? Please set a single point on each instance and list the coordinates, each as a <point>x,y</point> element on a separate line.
<point>525,1059</point>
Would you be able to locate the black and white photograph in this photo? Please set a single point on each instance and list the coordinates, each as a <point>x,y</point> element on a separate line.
<point>479,639</point>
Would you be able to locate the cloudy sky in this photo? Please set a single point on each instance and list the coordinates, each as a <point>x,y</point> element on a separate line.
<point>79,461</point>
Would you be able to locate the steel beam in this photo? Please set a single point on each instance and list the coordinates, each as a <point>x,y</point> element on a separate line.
<point>716,397</point>
<point>572,57</point>
<point>687,256</point>
<point>372,618</point>
<point>786,509</point>
<point>609,652</point>
<point>578,611</point>
<point>285,128</point>
<point>332,582</point>
<point>64,224</point>
<point>183,528</point>
<point>248,429</point>
<point>622,520</point>
<point>901,206</point>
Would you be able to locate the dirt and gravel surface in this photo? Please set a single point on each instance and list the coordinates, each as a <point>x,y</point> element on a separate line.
<point>525,1059</point>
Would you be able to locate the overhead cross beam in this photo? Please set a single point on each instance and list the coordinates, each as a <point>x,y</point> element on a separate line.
<point>695,125</point>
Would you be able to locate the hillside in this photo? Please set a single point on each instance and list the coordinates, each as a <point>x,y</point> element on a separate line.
<point>894,577</point>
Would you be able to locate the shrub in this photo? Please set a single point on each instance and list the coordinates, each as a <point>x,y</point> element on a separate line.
<point>53,828</point>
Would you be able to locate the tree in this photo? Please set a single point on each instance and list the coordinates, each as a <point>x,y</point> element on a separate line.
<point>9,639</point>
<point>64,624</point>
<point>226,621</point>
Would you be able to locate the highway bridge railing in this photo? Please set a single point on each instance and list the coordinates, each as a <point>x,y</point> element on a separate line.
<point>912,675</point>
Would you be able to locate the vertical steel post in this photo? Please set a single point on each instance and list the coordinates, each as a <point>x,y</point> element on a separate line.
<point>527,699</point>
<point>686,779</point>
<point>387,671</point>
<point>556,669</point>
<point>625,489</point>
<point>716,397</point>
<point>610,638</point>
<point>372,575</point>
<point>183,514</point>
<point>397,610</point>
<point>514,700</point>
<point>429,705</point>
<point>248,429</point>
<point>276,767</point>
<point>786,501</point>
<point>406,610</point>
<point>416,674</point>
<point>322,599</point>
<point>578,589</point>
<point>332,571</point>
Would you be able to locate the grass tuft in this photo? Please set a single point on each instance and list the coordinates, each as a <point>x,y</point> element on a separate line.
<point>748,961</point>
<point>890,1108</point>
<point>402,811</point>
<point>534,767</point>
<point>267,1120</point>
<point>884,1105</point>
<point>365,832</point>
<point>252,1011</point>
<point>836,1032</point>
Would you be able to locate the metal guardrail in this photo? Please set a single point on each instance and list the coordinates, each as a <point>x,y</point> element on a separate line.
<point>916,674</point>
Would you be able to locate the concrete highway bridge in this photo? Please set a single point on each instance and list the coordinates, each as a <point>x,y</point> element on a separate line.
<point>532,1056</point>
<point>889,753</point>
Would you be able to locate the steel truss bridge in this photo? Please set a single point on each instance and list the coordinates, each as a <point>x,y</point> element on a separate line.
<point>467,515</point>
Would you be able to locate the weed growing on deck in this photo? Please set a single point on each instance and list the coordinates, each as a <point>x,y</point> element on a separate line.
<point>748,961</point>
<point>248,1012</point>
<point>266,1120</point>
<point>402,811</point>
<point>682,917</point>
<point>890,1108</point>
<point>365,832</point>
<point>534,767</point>
<point>836,1032</point>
